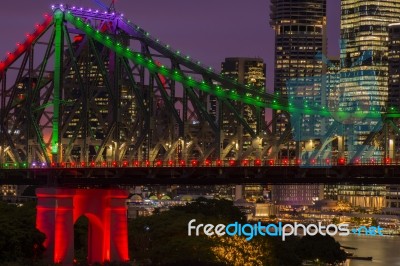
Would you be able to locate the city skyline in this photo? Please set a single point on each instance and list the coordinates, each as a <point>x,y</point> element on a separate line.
<point>183,25</point>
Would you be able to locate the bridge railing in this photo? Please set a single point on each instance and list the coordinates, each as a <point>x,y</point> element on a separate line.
<point>206,163</point>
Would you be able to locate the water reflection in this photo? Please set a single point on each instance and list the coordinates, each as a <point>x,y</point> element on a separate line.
<point>383,249</point>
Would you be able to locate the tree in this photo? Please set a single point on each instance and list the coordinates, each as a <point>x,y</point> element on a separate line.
<point>219,210</point>
<point>20,241</point>
<point>322,248</point>
<point>335,220</point>
<point>282,253</point>
<point>162,239</point>
<point>237,251</point>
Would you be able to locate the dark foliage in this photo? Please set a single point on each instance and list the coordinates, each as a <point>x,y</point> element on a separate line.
<point>162,239</point>
<point>20,241</point>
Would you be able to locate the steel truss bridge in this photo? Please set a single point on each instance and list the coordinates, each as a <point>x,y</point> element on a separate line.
<point>91,94</point>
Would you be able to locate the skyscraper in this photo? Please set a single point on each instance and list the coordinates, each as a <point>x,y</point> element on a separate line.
<point>300,34</point>
<point>248,71</point>
<point>394,82</point>
<point>364,60</point>
<point>394,66</point>
<point>332,82</point>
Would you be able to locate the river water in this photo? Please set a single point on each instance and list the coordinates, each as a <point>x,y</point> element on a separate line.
<point>384,250</point>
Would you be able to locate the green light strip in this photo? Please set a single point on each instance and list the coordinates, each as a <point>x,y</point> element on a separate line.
<point>139,59</point>
<point>58,68</point>
<point>165,47</point>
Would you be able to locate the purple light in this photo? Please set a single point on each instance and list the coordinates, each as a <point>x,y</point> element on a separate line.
<point>52,6</point>
<point>81,8</point>
<point>73,7</point>
<point>34,164</point>
<point>43,164</point>
<point>90,10</point>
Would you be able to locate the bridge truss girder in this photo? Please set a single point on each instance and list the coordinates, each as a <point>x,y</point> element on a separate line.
<point>93,87</point>
<point>71,96</point>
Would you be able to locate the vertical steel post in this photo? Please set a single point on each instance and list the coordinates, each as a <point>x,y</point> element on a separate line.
<point>31,86</point>
<point>2,116</point>
<point>58,82</point>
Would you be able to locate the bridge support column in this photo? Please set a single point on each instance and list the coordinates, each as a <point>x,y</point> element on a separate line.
<point>58,209</point>
<point>55,219</point>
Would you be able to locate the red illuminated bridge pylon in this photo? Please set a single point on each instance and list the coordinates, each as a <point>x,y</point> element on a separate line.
<point>59,208</point>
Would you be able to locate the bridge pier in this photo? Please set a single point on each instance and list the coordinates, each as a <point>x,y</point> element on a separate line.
<point>59,208</point>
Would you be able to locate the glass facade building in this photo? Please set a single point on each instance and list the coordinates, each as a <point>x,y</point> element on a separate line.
<point>300,35</point>
<point>364,60</point>
<point>394,83</point>
<point>394,66</point>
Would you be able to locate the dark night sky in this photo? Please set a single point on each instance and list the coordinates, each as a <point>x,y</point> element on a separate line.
<point>207,30</point>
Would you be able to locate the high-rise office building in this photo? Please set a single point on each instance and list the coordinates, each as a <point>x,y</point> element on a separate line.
<point>393,191</point>
<point>248,71</point>
<point>364,59</point>
<point>332,82</point>
<point>394,82</point>
<point>300,35</point>
<point>394,66</point>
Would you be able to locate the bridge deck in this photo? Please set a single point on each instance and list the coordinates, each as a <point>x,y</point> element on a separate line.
<point>206,175</point>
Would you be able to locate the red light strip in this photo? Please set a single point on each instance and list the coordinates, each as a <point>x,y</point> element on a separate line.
<point>22,47</point>
<point>206,163</point>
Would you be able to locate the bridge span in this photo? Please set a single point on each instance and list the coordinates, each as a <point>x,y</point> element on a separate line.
<point>114,176</point>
